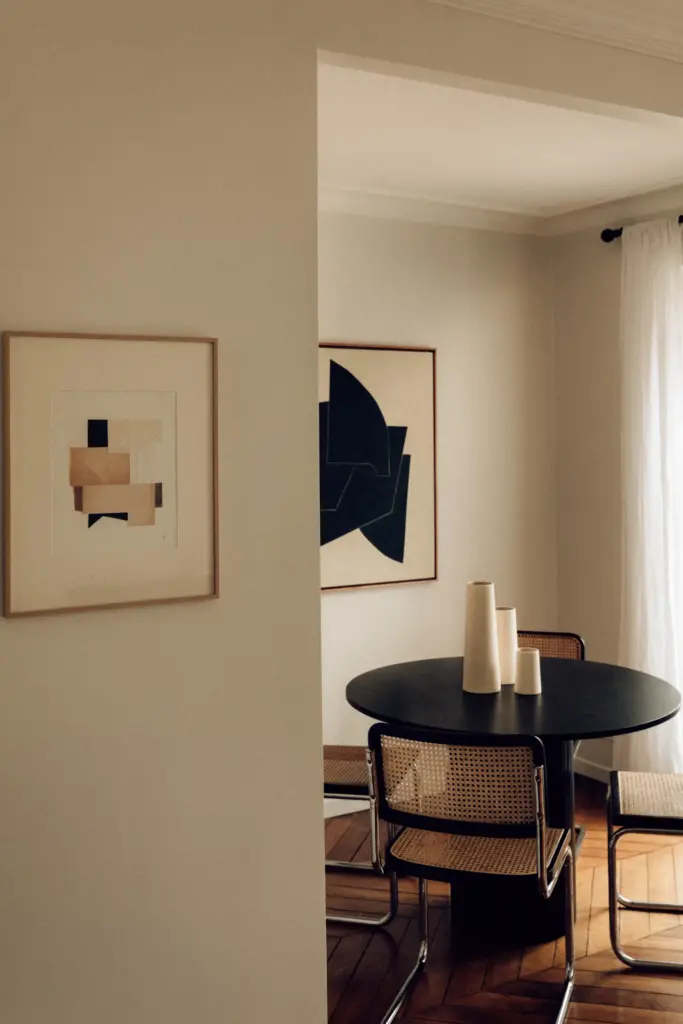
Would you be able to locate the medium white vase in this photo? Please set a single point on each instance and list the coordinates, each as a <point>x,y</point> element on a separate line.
<point>506,625</point>
<point>528,671</point>
<point>481,670</point>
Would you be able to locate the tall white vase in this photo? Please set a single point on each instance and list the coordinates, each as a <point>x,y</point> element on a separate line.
<point>481,671</point>
<point>506,622</point>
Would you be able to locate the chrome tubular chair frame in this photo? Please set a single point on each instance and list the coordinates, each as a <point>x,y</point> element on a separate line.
<point>548,873</point>
<point>357,789</point>
<point>376,865</point>
<point>562,863</point>
<point>616,899</point>
<point>356,865</point>
<point>423,951</point>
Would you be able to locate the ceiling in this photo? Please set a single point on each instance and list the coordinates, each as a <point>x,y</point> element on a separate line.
<point>387,136</point>
<point>653,27</point>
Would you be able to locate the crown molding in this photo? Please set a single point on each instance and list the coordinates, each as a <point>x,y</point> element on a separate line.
<point>451,80</point>
<point>424,211</point>
<point>653,28</point>
<point>661,203</point>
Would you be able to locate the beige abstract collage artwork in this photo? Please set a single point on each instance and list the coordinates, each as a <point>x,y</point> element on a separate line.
<point>109,477</point>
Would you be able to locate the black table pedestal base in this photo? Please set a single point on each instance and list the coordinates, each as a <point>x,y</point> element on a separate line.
<point>504,911</point>
<point>501,910</point>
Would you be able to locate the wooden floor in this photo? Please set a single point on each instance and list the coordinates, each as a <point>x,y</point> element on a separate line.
<point>509,986</point>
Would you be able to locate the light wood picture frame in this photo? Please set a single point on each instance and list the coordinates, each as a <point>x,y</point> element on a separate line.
<point>377,427</point>
<point>110,470</point>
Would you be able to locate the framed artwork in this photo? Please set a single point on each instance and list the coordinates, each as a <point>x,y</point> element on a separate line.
<point>110,471</point>
<point>377,465</point>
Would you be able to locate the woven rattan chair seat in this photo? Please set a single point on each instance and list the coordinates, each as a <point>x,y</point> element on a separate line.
<point>345,770</point>
<point>477,854</point>
<point>646,800</point>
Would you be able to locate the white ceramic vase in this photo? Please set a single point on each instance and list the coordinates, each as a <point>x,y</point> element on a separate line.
<point>481,670</point>
<point>528,671</point>
<point>506,625</point>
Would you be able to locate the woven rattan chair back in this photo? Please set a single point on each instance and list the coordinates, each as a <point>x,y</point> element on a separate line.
<point>449,783</point>
<point>553,645</point>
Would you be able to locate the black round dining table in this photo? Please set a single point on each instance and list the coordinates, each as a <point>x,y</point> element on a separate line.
<point>580,700</point>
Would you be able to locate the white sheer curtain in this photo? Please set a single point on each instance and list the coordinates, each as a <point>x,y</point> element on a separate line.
<point>651,634</point>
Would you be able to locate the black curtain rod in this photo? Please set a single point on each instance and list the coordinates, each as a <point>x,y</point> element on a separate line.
<point>609,234</point>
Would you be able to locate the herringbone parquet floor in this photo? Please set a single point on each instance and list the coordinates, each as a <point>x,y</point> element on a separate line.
<point>510,986</point>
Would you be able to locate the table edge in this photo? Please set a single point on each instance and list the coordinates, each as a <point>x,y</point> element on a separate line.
<point>599,735</point>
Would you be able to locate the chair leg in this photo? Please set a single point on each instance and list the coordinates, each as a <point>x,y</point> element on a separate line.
<point>400,997</point>
<point>368,920</point>
<point>656,908</point>
<point>348,865</point>
<point>616,898</point>
<point>570,916</point>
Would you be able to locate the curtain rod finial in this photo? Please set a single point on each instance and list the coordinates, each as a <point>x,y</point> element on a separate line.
<point>609,234</point>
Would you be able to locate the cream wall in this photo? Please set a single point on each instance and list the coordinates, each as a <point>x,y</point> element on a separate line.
<point>586,298</point>
<point>159,175</point>
<point>482,300</point>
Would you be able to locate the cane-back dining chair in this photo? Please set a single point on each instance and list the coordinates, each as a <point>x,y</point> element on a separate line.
<point>644,803</point>
<point>347,776</point>
<point>468,804</point>
<point>553,645</point>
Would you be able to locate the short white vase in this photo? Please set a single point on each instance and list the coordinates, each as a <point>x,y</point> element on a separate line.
<point>528,680</point>
<point>481,669</point>
<point>506,625</point>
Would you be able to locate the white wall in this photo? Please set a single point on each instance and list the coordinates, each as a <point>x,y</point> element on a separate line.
<point>586,297</point>
<point>482,300</point>
<point>159,176</point>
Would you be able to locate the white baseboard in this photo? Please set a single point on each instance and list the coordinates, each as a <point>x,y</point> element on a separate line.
<point>591,770</point>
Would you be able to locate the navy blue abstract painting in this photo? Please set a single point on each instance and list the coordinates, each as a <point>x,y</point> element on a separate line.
<point>364,473</point>
<point>365,466</point>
